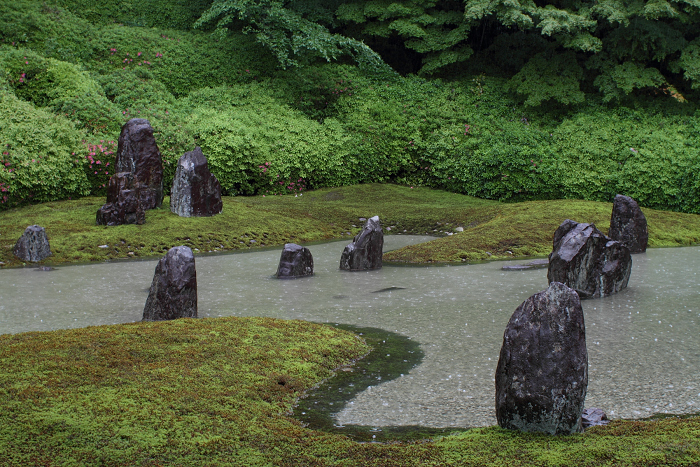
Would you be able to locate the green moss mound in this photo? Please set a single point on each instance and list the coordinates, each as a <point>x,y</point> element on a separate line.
<point>219,392</point>
<point>492,230</point>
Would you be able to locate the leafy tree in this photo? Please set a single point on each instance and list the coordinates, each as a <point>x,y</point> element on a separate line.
<point>614,46</point>
<point>292,37</point>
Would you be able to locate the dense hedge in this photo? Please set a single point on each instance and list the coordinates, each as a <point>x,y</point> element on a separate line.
<point>74,84</point>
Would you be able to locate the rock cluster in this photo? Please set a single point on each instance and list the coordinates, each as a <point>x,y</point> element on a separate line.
<point>124,204</point>
<point>628,224</point>
<point>33,245</point>
<point>542,372</point>
<point>196,192</point>
<point>138,183</point>
<point>365,251</point>
<point>586,260</point>
<point>173,292</point>
<point>296,261</point>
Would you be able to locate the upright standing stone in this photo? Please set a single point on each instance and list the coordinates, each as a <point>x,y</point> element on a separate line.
<point>628,224</point>
<point>365,251</point>
<point>33,245</point>
<point>173,292</point>
<point>542,373</point>
<point>123,201</point>
<point>138,153</point>
<point>196,191</point>
<point>296,261</point>
<point>586,260</point>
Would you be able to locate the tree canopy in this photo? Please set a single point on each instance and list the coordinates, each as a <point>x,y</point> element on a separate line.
<point>551,50</point>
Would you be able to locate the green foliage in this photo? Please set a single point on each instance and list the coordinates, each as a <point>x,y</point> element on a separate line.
<point>255,145</point>
<point>546,78</point>
<point>175,14</point>
<point>437,30</point>
<point>41,155</point>
<point>293,39</point>
<point>60,86</point>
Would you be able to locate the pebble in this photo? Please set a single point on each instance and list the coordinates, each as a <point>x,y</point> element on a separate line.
<point>103,246</point>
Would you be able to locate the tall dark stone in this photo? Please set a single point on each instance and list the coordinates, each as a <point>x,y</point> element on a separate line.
<point>33,245</point>
<point>173,292</point>
<point>123,202</point>
<point>628,224</point>
<point>586,260</point>
<point>138,153</point>
<point>542,373</point>
<point>365,251</point>
<point>296,261</point>
<point>196,192</point>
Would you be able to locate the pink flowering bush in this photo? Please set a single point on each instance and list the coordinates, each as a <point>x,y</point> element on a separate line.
<point>99,164</point>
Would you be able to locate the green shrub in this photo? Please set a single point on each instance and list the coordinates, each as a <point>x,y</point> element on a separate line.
<point>181,61</point>
<point>257,145</point>
<point>41,155</point>
<point>61,86</point>
<point>175,14</point>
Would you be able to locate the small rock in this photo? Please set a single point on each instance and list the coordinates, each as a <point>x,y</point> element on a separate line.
<point>459,229</point>
<point>295,261</point>
<point>103,246</point>
<point>362,219</point>
<point>593,417</point>
<point>449,233</point>
<point>33,245</point>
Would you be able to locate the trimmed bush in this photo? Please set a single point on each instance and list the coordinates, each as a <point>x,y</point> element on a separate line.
<point>41,155</point>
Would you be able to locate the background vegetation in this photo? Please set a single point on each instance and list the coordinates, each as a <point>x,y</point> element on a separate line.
<point>532,114</point>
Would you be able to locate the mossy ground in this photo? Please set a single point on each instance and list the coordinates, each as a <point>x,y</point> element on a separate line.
<point>218,391</point>
<point>492,230</point>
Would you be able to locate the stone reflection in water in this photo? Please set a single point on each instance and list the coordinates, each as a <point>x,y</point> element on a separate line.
<point>642,343</point>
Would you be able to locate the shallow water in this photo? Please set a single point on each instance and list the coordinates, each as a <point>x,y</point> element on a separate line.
<point>644,343</point>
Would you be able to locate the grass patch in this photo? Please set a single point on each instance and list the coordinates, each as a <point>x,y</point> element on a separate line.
<point>492,230</point>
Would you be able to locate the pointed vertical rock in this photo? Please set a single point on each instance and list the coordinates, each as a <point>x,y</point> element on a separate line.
<point>542,373</point>
<point>173,292</point>
<point>196,191</point>
<point>365,251</point>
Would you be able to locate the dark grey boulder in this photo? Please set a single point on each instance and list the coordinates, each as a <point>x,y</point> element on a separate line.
<point>586,260</point>
<point>33,245</point>
<point>365,251</point>
<point>138,153</point>
<point>173,292</point>
<point>196,192</point>
<point>123,202</point>
<point>628,224</point>
<point>542,373</point>
<point>296,261</point>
